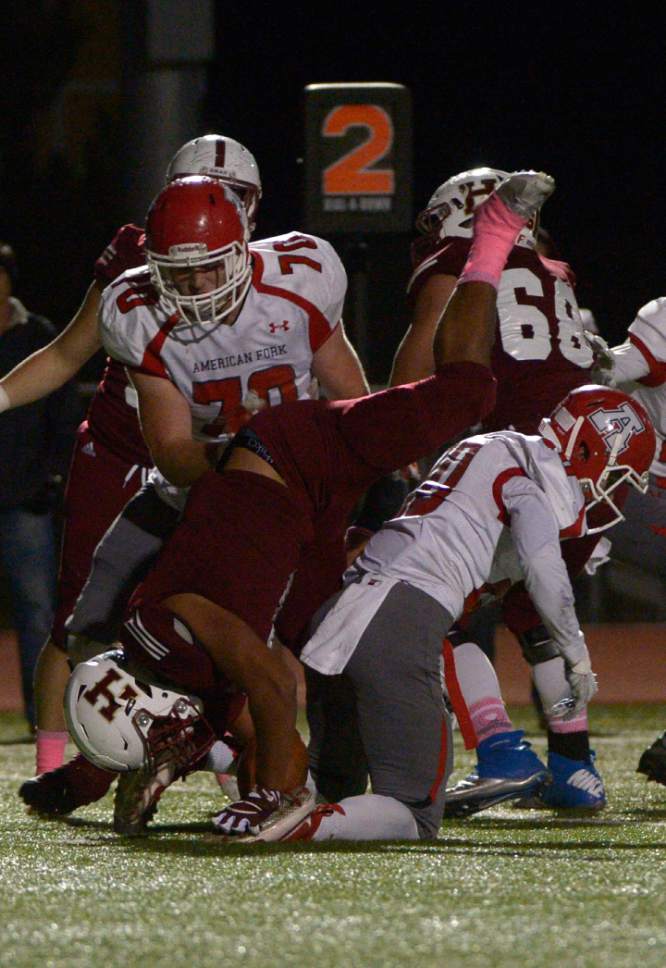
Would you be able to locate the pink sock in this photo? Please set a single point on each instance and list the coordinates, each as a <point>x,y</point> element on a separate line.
<point>50,751</point>
<point>489,717</point>
<point>496,229</point>
<point>577,725</point>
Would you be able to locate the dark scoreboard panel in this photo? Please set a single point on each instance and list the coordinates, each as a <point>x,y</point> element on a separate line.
<point>358,158</point>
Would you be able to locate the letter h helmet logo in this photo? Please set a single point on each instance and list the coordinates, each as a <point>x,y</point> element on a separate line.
<point>103,689</point>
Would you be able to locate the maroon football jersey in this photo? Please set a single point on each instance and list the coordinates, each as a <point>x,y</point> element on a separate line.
<point>112,415</point>
<point>243,535</point>
<point>540,353</point>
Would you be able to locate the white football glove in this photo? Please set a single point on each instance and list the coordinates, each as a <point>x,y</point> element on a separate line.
<point>604,363</point>
<point>583,684</point>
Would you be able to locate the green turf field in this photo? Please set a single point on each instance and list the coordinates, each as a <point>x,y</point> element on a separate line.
<point>508,888</point>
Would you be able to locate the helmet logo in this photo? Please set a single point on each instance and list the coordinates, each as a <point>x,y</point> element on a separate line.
<point>617,426</point>
<point>188,248</point>
<point>472,193</point>
<point>103,689</point>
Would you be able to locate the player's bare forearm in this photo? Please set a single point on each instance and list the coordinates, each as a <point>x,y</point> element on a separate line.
<point>50,367</point>
<point>466,330</point>
<point>272,705</point>
<point>181,461</point>
<point>261,673</point>
<point>414,358</point>
<point>337,367</point>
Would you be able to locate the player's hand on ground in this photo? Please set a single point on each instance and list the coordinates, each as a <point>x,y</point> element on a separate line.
<point>247,816</point>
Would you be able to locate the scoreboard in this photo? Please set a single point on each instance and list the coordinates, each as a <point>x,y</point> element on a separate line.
<point>358,158</point>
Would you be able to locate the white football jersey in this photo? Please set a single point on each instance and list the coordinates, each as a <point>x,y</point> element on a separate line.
<point>227,372</point>
<point>494,507</point>
<point>643,357</point>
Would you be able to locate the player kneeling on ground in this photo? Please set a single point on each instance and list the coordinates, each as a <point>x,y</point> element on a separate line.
<point>492,512</point>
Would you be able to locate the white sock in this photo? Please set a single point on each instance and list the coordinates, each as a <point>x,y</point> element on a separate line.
<point>368,817</point>
<point>219,758</point>
<point>552,686</point>
<point>481,691</point>
<point>312,786</point>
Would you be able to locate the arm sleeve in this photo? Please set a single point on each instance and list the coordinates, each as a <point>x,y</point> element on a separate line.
<point>131,336</point>
<point>535,535</point>
<point>629,364</point>
<point>643,356</point>
<point>335,279</point>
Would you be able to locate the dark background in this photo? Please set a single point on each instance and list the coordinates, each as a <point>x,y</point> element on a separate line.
<point>576,91</point>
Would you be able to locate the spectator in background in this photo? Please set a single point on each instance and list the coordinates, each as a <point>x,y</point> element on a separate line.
<point>35,447</point>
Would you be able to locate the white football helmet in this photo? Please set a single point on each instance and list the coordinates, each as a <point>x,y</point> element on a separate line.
<point>225,159</point>
<point>111,715</point>
<point>450,209</point>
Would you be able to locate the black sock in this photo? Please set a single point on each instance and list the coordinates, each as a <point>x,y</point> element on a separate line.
<point>574,745</point>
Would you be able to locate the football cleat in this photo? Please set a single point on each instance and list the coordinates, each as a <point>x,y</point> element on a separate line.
<point>307,828</point>
<point>506,768</point>
<point>257,821</point>
<point>174,751</point>
<point>524,192</point>
<point>59,792</point>
<point>576,785</point>
<point>653,761</point>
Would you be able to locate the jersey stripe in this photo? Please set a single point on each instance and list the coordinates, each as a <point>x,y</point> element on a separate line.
<point>318,327</point>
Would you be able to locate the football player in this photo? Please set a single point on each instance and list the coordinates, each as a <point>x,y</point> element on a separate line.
<point>540,354</point>
<point>212,329</point>
<point>638,366</point>
<point>494,507</point>
<point>204,613</point>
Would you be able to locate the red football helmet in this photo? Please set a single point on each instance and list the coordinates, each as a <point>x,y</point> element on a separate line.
<point>197,223</point>
<point>605,439</point>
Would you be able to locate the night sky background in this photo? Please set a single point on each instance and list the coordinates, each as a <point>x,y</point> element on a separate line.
<point>576,91</point>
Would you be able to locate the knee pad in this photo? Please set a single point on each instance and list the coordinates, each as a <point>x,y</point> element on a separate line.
<point>149,512</point>
<point>537,645</point>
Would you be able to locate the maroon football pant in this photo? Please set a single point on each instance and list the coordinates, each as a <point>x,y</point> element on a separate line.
<point>99,485</point>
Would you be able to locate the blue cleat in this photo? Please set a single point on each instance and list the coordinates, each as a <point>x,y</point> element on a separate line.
<point>576,785</point>
<point>507,768</point>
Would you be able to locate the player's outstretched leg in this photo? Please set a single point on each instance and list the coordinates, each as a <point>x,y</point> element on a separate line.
<point>653,761</point>
<point>506,768</point>
<point>59,792</point>
<point>499,220</point>
<point>524,192</point>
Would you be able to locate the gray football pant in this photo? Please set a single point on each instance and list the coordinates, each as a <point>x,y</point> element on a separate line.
<point>386,713</point>
<point>121,560</point>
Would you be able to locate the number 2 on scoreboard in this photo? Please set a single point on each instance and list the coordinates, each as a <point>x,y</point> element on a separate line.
<point>350,175</point>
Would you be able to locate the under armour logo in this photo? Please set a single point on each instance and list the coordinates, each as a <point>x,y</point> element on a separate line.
<point>274,327</point>
<point>102,688</point>
<point>617,426</point>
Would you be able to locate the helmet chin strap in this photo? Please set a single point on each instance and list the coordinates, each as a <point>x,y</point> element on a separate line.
<point>573,436</point>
